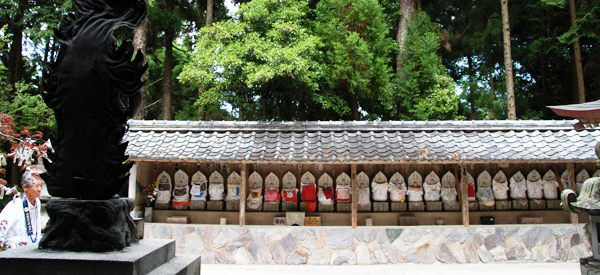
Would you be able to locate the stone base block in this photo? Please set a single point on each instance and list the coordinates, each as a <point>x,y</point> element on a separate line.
<point>344,207</point>
<point>520,204</point>
<point>148,256</point>
<point>530,220</point>
<point>473,206</point>
<point>197,205</point>
<point>503,205</point>
<point>484,207</point>
<point>182,207</point>
<point>271,206</point>
<point>398,206</point>
<point>364,208</point>
<point>416,206</point>
<point>232,205</point>
<point>214,205</point>
<point>433,206</point>
<point>381,206</point>
<point>537,204</point>
<point>162,206</point>
<point>289,206</point>
<point>74,224</point>
<point>178,219</point>
<point>589,265</point>
<point>553,204</point>
<point>325,208</point>
<point>451,206</point>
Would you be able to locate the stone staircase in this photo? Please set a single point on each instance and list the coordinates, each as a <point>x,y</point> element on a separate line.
<point>145,257</point>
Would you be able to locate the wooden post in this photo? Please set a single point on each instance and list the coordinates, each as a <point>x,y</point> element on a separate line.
<point>573,186</point>
<point>463,193</point>
<point>354,196</point>
<point>243,189</point>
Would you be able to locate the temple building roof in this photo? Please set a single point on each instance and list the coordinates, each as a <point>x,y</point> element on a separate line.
<point>361,141</point>
<point>587,113</point>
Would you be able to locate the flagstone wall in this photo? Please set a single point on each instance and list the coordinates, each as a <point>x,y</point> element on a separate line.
<point>375,245</point>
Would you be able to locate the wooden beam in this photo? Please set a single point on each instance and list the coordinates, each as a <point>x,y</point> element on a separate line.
<point>572,186</point>
<point>463,191</point>
<point>354,196</point>
<point>243,189</point>
<point>434,162</point>
<point>558,179</point>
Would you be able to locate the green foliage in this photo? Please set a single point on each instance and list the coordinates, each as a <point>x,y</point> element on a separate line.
<point>28,110</point>
<point>356,55</point>
<point>425,91</point>
<point>263,64</point>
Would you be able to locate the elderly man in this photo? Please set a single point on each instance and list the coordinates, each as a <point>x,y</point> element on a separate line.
<point>20,221</point>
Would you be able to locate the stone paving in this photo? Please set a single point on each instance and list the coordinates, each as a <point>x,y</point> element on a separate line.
<point>375,245</point>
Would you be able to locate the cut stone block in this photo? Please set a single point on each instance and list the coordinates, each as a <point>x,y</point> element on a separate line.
<point>365,208</point>
<point>530,220</point>
<point>325,208</point>
<point>537,204</point>
<point>178,219</point>
<point>483,207</point>
<point>503,205</point>
<point>344,207</point>
<point>294,218</point>
<point>182,207</point>
<point>271,207</point>
<point>303,206</point>
<point>381,206</point>
<point>520,204</point>
<point>279,221</point>
<point>215,205</point>
<point>197,205</point>
<point>289,206</point>
<point>553,204</point>
<point>232,205</point>
<point>451,206</point>
<point>473,206</point>
<point>161,206</point>
<point>398,206</point>
<point>433,206</point>
<point>416,206</point>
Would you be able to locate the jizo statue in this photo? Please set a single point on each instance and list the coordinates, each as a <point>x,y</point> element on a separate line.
<point>94,88</point>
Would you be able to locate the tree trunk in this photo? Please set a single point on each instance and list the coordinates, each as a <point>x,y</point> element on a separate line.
<point>209,13</point>
<point>407,9</point>
<point>354,106</point>
<point>492,115</point>
<point>508,67</point>
<point>472,89</point>
<point>577,55</point>
<point>167,102</point>
<point>45,65</point>
<point>139,43</point>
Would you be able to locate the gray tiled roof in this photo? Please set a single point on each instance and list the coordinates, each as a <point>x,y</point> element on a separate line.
<point>360,141</point>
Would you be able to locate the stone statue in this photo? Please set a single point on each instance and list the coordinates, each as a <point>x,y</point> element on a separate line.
<point>93,88</point>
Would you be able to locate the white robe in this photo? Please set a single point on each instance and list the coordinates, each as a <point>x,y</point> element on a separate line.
<point>448,194</point>
<point>550,190</point>
<point>380,191</point>
<point>432,191</point>
<point>485,195</point>
<point>518,190</point>
<point>415,194</point>
<point>535,190</point>
<point>12,222</point>
<point>500,190</point>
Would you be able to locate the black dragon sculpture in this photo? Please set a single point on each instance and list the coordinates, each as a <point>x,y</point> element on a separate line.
<point>93,87</point>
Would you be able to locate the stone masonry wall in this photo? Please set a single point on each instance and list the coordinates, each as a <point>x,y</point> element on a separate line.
<point>375,245</point>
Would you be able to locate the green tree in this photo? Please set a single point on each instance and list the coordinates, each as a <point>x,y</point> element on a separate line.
<point>263,64</point>
<point>356,57</point>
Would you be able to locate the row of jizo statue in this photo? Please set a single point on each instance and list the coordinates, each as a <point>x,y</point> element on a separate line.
<point>325,194</point>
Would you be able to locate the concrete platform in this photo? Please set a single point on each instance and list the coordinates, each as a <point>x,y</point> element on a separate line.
<point>139,258</point>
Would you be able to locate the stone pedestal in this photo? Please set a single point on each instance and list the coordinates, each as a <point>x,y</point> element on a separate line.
<point>473,206</point>
<point>537,204</point>
<point>483,207</point>
<point>344,207</point>
<point>503,205</point>
<point>271,207</point>
<point>161,206</point>
<point>325,208</point>
<point>183,207</point>
<point>416,206</point>
<point>522,204</point>
<point>433,206</point>
<point>381,206</point>
<point>197,205</point>
<point>398,206</point>
<point>364,208</point>
<point>589,265</point>
<point>232,205</point>
<point>289,206</point>
<point>89,225</point>
<point>214,205</point>
<point>553,204</point>
<point>148,256</point>
<point>451,206</point>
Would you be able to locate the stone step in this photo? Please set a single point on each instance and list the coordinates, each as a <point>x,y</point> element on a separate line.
<point>180,265</point>
<point>139,258</point>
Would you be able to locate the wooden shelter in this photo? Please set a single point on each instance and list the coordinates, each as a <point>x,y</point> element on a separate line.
<point>461,148</point>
